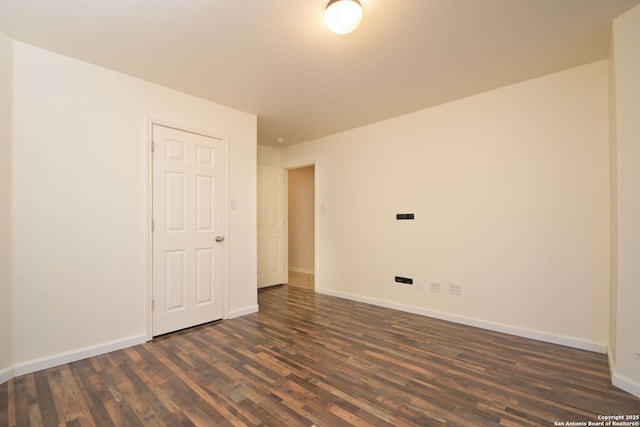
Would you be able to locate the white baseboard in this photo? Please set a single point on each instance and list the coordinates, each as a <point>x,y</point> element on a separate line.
<point>243,311</point>
<point>75,355</point>
<point>301,270</point>
<point>6,374</point>
<point>620,381</point>
<point>479,323</point>
<point>46,362</point>
<point>612,362</point>
<point>626,384</point>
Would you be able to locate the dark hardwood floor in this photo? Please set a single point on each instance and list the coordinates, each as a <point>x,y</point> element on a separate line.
<point>314,360</point>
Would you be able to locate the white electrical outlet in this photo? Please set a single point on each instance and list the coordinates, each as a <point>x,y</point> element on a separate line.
<point>436,287</point>
<point>455,288</point>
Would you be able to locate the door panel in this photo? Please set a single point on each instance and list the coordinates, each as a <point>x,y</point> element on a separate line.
<point>188,213</point>
<point>272,226</point>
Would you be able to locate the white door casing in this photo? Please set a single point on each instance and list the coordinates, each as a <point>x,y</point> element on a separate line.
<point>188,236</point>
<point>272,226</point>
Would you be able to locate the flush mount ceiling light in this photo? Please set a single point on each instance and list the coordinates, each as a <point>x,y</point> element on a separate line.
<point>343,16</point>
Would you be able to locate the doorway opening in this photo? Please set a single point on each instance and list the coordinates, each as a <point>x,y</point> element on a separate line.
<point>301,211</point>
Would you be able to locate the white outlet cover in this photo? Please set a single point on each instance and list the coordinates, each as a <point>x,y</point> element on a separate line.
<point>455,289</point>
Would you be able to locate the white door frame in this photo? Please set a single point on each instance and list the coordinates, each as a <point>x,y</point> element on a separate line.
<point>148,217</point>
<point>316,217</point>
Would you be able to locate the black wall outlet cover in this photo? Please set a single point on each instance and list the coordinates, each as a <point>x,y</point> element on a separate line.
<point>405,216</point>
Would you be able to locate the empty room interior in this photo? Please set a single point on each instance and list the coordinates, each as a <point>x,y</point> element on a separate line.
<point>237,213</point>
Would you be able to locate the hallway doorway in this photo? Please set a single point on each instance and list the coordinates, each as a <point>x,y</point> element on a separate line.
<point>301,227</point>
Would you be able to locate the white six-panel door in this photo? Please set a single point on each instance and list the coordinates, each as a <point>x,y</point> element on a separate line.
<point>188,236</point>
<point>272,226</point>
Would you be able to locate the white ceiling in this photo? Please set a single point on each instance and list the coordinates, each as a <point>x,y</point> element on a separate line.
<point>275,58</point>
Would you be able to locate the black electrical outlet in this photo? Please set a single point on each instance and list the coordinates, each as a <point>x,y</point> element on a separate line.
<point>405,216</point>
<point>405,280</point>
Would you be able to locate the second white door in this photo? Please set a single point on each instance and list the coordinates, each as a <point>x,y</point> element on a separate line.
<point>272,226</point>
<point>188,235</point>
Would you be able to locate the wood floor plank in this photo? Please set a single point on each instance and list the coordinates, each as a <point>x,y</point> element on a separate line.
<point>46,400</point>
<point>6,415</point>
<point>92,387</point>
<point>68,399</point>
<point>312,360</point>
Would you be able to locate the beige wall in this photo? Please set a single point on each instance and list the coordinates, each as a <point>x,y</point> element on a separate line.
<point>301,215</point>
<point>268,156</point>
<point>613,208</point>
<point>625,317</point>
<point>510,190</point>
<point>80,204</point>
<point>6,312</point>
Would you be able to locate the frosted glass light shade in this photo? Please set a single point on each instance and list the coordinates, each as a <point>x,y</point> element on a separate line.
<point>343,16</point>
